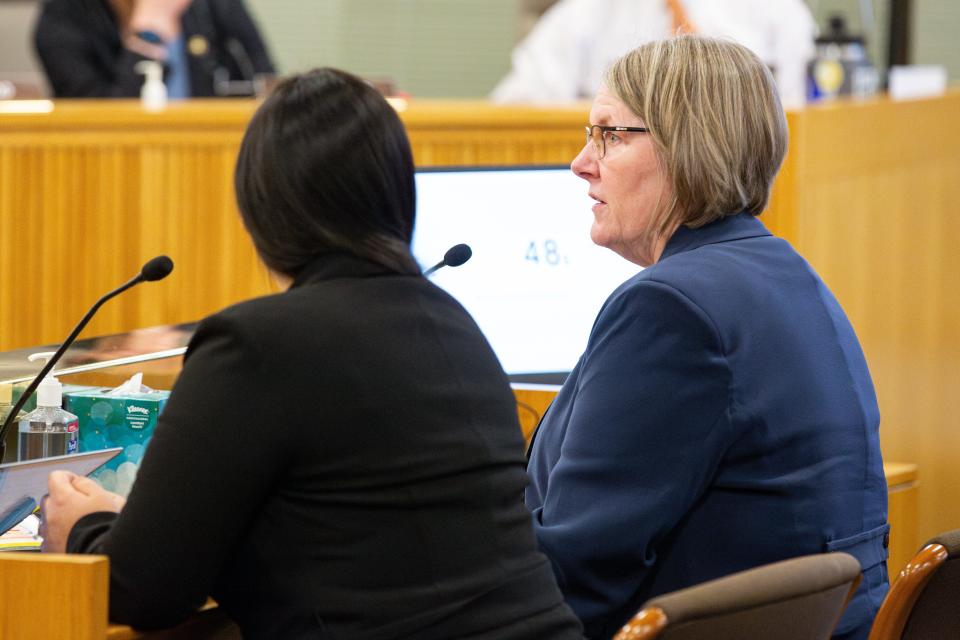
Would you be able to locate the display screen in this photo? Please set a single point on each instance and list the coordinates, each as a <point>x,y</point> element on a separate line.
<point>535,282</point>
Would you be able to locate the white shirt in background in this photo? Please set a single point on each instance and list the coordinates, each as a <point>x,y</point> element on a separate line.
<point>566,54</point>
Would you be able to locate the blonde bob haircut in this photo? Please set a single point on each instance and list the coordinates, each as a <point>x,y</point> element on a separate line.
<point>715,117</point>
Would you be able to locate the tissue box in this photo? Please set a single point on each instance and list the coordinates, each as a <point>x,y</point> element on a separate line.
<point>108,420</point>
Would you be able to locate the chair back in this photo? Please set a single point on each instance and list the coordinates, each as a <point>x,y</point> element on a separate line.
<point>797,599</point>
<point>924,602</point>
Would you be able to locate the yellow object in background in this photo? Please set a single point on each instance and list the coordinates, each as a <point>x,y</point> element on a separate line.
<point>198,45</point>
<point>828,74</point>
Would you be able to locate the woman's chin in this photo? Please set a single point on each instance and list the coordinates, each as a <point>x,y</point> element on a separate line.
<point>598,236</point>
<point>603,238</point>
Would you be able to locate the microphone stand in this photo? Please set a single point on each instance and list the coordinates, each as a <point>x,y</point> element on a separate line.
<point>440,264</point>
<point>140,277</point>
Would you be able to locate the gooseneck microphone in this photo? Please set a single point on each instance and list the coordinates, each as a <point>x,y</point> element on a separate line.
<point>242,58</point>
<point>155,269</point>
<point>454,257</point>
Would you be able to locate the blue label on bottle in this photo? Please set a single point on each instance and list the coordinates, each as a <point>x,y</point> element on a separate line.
<point>72,442</point>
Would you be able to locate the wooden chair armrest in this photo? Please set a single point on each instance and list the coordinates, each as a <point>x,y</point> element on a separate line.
<point>896,607</point>
<point>647,624</point>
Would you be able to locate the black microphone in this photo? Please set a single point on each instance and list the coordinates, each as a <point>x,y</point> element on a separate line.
<point>226,87</point>
<point>239,54</point>
<point>454,257</point>
<point>156,269</point>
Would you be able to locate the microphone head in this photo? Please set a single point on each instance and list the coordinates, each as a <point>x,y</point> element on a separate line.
<point>157,269</point>
<point>457,255</point>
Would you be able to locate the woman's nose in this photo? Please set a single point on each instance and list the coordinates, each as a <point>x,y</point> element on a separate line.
<point>585,164</point>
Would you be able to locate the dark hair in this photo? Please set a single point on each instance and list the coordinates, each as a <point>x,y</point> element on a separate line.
<point>325,166</point>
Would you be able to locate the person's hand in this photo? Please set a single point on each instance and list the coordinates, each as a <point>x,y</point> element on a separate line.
<point>160,16</point>
<point>70,498</point>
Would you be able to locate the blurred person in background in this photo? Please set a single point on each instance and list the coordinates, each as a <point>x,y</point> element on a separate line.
<point>90,48</point>
<point>567,52</point>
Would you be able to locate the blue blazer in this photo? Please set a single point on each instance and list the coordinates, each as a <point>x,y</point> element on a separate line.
<point>721,417</point>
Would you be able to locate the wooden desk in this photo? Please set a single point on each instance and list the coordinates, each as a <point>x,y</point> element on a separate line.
<point>49,596</point>
<point>903,495</point>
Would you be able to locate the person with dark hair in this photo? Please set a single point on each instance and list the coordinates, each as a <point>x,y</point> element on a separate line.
<point>340,460</point>
<point>90,48</point>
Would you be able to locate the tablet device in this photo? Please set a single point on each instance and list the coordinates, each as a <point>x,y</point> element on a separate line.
<point>23,484</point>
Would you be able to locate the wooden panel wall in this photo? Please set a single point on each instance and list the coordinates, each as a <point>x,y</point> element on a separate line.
<point>92,190</point>
<point>875,196</point>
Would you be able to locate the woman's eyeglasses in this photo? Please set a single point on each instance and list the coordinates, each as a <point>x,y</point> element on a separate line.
<point>600,135</point>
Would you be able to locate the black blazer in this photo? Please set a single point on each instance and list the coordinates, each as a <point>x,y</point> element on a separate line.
<point>79,44</point>
<point>342,460</point>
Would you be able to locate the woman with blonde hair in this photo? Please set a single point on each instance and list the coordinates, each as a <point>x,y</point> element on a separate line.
<point>722,415</point>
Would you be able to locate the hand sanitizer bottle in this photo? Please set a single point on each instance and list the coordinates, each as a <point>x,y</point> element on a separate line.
<point>153,93</point>
<point>48,430</point>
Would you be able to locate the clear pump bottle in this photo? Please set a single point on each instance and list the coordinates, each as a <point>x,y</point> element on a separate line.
<point>48,430</point>
<point>153,93</point>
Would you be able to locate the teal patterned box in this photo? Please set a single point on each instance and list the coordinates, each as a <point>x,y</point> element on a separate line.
<point>111,420</point>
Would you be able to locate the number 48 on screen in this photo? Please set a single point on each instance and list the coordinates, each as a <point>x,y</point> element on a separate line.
<point>545,252</point>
